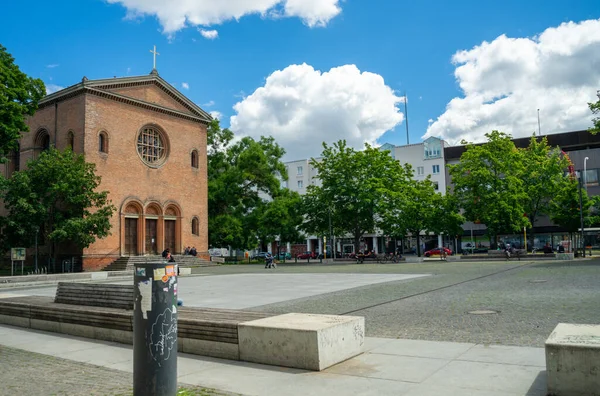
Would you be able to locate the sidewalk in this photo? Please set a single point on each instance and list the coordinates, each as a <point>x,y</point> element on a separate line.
<point>388,367</point>
<point>40,280</point>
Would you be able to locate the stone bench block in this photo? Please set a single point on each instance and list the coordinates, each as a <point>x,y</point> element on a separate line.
<point>573,360</point>
<point>306,341</point>
<point>185,271</point>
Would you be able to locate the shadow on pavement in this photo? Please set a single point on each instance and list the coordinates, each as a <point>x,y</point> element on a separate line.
<point>539,386</point>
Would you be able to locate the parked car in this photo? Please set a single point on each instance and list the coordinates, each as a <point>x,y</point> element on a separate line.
<point>259,256</point>
<point>437,251</point>
<point>283,256</point>
<point>307,255</point>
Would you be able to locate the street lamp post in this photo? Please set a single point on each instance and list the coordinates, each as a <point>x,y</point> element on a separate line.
<point>581,214</point>
<point>585,172</point>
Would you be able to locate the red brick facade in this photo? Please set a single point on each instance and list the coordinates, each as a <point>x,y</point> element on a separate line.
<point>158,205</point>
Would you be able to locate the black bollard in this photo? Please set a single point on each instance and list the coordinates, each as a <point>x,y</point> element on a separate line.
<point>155,329</point>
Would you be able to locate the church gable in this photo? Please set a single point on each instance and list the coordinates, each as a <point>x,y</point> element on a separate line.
<point>151,93</point>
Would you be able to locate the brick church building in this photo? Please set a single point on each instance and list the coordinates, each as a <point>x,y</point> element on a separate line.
<point>148,142</point>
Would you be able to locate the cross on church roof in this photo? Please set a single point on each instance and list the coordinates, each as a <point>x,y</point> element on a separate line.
<point>154,53</point>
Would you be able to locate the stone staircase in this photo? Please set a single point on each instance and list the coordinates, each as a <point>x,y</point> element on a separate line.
<point>127,263</point>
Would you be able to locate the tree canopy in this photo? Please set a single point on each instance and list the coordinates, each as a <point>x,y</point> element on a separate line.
<point>488,184</point>
<point>243,178</point>
<point>55,194</point>
<point>409,208</point>
<point>565,208</point>
<point>352,185</point>
<point>543,176</point>
<point>19,97</point>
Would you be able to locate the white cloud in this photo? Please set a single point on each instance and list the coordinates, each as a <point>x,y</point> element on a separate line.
<point>209,103</point>
<point>209,34</point>
<point>505,81</point>
<point>52,66</point>
<point>51,88</point>
<point>302,107</point>
<point>185,85</point>
<point>176,14</point>
<point>216,114</point>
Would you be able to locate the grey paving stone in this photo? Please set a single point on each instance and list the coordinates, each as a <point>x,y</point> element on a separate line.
<point>391,367</point>
<point>522,356</point>
<point>420,348</point>
<point>490,377</point>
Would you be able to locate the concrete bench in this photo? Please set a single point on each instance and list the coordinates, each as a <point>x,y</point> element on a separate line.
<point>201,331</point>
<point>306,341</point>
<point>573,360</point>
<point>312,342</point>
<point>42,313</point>
<point>97,295</point>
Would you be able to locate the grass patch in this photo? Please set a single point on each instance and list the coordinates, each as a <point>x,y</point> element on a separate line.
<point>189,390</point>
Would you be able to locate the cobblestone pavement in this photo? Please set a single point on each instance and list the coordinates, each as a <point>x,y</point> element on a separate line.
<point>28,373</point>
<point>530,299</point>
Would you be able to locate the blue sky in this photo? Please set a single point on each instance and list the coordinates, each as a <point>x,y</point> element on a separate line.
<point>402,46</point>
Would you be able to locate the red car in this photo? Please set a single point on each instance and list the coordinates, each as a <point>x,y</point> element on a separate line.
<point>436,252</point>
<point>307,255</point>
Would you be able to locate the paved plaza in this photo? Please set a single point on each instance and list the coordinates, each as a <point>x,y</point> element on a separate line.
<point>242,291</point>
<point>451,328</point>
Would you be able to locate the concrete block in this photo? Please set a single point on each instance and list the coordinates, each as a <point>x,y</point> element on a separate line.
<point>573,360</point>
<point>99,275</point>
<point>45,325</point>
<point>216,349</point>
<point>113,335</point>
<point>306,341</point>
<point>77,330</point>
<point>565,256</point>
<point>185,271</point>
<point>15,321</point>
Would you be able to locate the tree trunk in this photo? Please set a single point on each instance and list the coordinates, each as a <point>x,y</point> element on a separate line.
<point>419,252</point>
<point>357,243</point>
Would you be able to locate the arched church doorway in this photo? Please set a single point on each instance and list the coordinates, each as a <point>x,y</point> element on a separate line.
<point>131,230</point>
<point>152,215</point>
<point>172,236</point>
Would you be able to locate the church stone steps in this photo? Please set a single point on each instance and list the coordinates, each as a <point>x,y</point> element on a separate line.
<point>127,263</point>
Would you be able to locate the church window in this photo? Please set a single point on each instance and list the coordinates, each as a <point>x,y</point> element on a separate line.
<point>151,146</point>
<point>70,140</point>
<point>43,140</point>
<point>195,159</point>
<point>195,226</point>
<point>103,142</point>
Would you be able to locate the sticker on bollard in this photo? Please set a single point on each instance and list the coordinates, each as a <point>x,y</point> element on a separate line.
<point>155,330</point>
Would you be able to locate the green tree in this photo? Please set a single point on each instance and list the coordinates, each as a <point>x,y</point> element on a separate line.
<point>565,208</point>
<point>242,176</point>
<point>418,208</point>
<point>595,108</point>
<point>281,218</point>
<point>446,218</point>
<point>543,176</point>
<point>352,185</point>
<point>19,97</point>
<point>594,217</point>
<point>489,187</point>
<point>56,194</point>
